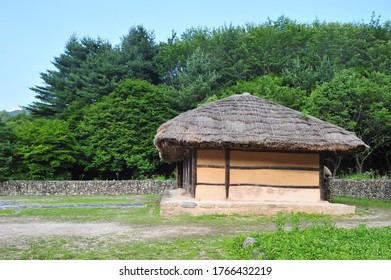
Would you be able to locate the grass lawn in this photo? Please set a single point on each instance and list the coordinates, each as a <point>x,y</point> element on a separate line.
<point>318,239</point>
<point>150,213</point>
<point>319,243</point>
<point>363,202</point>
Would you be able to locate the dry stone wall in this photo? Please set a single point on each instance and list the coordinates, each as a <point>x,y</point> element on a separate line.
<point>85,187</point>
<point>375,189</point>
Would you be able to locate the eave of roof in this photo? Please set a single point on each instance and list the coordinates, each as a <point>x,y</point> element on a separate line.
<point>248,122</point>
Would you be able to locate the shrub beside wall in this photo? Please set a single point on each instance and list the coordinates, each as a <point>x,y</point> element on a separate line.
<point>85,187</point>
<point>375,189</point>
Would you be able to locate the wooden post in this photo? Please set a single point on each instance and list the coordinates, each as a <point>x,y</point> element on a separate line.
<point>193,172</point>
<point>227,171</point>
<point>185,179</point>
<point>321,176</point>
<point>179,174</point>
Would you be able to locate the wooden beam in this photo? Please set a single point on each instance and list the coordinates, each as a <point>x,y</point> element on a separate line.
<point>244,149</point>
<point>227,171</point>
<point>210,166</point>
<point>193,172</point>
<point>184,173</point>
<point>298,168</point>
<point>321,176</point>
<point>260,185</point>
<point>275,186</point>
<point>179,174</point>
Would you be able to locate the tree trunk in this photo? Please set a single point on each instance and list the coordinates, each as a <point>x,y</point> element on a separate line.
<point>335,164</point>
<point>360,163</point>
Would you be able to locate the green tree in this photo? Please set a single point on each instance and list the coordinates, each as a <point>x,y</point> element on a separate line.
<point>268,47</point>
<point>172,56</point>
<point>196,80</point>
<point>359,102</point>
<point>308,76</point>
<point>90,69</point>
<point>74,78</point>
<point>6,151</point>
<point>117,133</point>
<point>270,87</point>
<point>137,55</point>
<point>229,61</point>
<point>45,149</point>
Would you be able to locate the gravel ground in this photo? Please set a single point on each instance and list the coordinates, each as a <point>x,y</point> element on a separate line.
<point>12,230</point>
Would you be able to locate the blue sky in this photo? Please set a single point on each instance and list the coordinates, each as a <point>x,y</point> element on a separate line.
<point>32,33</point>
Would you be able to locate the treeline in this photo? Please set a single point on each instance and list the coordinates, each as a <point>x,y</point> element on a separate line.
<point>97,113</point>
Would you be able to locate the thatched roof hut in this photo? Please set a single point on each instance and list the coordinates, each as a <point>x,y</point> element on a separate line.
<point>248,122</point>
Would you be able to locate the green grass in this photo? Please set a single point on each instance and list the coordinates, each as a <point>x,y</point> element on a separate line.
<point>292,236</point>
<point>150,213</point>
<point>316,242</point>
<point>143,215</point>
<point>83,199</point>
<point>324,242</point>
<point>363,202</point>
<point>112,249</point>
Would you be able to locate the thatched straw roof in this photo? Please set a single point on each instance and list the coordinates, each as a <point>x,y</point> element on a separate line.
<point>248,122</point>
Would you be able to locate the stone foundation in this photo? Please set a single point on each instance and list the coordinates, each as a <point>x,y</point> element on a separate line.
<point>177,202</point>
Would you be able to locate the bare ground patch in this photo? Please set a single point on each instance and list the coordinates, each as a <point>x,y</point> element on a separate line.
<point>14,230</point>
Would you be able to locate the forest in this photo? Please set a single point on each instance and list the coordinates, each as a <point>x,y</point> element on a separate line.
<point>96,114</point>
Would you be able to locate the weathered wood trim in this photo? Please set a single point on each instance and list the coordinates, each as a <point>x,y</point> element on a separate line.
<point>244,149</point>
<point>235,149</point>
<point>188,173</point>
<point>274,186</point>
<point>321,176</point>
<point>210,166</point>
<point>227,171</point>
<point>260,185</point>
<point>299,168</point>
<point>184,174</point>
<point>179,174</point>
<point>193,172</point>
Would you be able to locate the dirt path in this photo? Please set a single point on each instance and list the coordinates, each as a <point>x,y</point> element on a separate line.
<point>376,217</point>
<point>15,229</point>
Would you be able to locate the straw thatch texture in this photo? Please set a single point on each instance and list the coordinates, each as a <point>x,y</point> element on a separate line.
<point>248,122</point>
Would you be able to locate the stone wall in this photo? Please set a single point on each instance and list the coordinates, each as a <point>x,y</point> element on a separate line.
<point>376,189</point>
<point>85,187</point>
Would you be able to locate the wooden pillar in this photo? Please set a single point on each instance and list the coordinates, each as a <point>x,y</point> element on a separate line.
<point>193,172</point>
<point>321,176</point>
<point>185,172</point>
<point>179,174</point>
<point>227,171</point>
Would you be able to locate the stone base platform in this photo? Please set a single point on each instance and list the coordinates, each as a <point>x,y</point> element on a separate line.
<point>177,202</point>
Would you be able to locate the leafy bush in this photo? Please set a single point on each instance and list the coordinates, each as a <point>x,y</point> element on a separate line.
<point>367,175</point>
